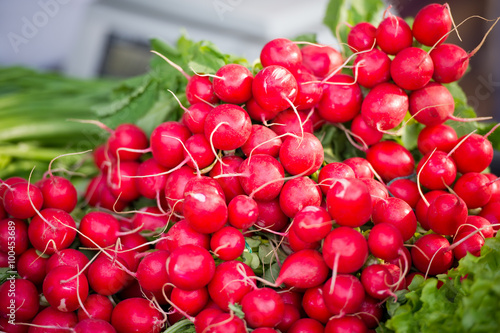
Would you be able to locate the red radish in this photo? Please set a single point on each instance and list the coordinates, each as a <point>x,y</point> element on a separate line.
<point>290,316</point>
<point>123,184</point>
<point>274,88</point>
<point>450,63</point>
<point>204,210</point>
<point>436,170</point>
<point>432,104</point>
<point>412,68</point>
<point>227,285</point>
<point>345,250</point>
<point>390,160</point>
<point>50,316</point>
<point>190,267</point>
<point>344,294</point>
<point>432,246</point>
<point>398,213</point>
<point>94,325</point>
<point>194,117</point>
<point>198,152</point>
<point>98,194</point>
<point>431,24</point>
<point>136,315</point>
<point>341,99</point>
<point>473,189</point>
<point>182,234</point>
<point>289,121</point>
<point>166,149</point>
<point>283,52</point>
<point>377,190</point>
<point>441,136</point>
<point>475,222</point>
<point>312,224</point>
<point>346,324</point>
<point>309,93</point>
<point>223,172</point>
<point>361,37</point>
<point>233,84</point>
<point>65,289</point>
<point>370,312</point>
<point>393,35</point>
<point>494,186</point>
<point>101,227</point>
<point>58,192</point>
<point>101,158</point>
<point>227,126</point>
<point>227,243</point>
<point>257,113</point>
<point>55,231</point>
<point>385,106</point>
<point>405,189</point>
<point>262,177</point>
<point>135,241</point>
<point>3,214</point>
<point>470,245</point>
<point>18,299</point>
<point>296,244</point>
<point>14,236</point>
<point>150,186</point>
<point>331,172</point>
<point>124,137</point>
<point>423,206</point>
<point>150,218</point>
<point>205,318</point>
<point>262,140</point>
<point>190,302</point>
<point>243,212</point>
<point>363,133</point>
<point>152,271</point>
<point>373,67</point>
<point>175,186</point>
<point>11,327</point>
<point>32,266</point>
<point>5,184</point>
<point>349,202</point>
<point>361,167</point>
<point>18,197</point>
<point>298,193</point>
<point>321,60</point>
<point>303,269</point>
<point>306,325</point>
<point>385,241</point>
<point>313,304</point>
<point>67,257</point>
<point>291,297</point>
<point>263,308</point>
<point>98,307</point>
<point>226,322</point>
<point>446,213</point>
<point>200,89</point>
<point>270,215</point>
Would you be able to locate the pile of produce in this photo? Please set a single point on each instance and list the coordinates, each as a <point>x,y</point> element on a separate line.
<point>313,191</point>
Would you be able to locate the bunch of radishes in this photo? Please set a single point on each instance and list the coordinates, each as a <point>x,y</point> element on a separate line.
<point>244,161</point>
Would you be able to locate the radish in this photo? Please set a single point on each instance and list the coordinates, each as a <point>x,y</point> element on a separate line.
<point>198,152</point>
<point>412,68</point>
<point>182,234</point>
<point>446,213</point>
<point>349,202</point>
<point>190,267</point>
<point>346,324</point>
<point>224,172</point>
<point>152,271</point>
<point>166,149</point>
<point>432,23</point>
<point>94,325</point>
<point>405,189</point>
<point>101,227</point>
<point>194,117</point>
<point>390,160</point>
<point>290,316</point>
<point>150,186</point>
<point>441,136</point>
<point>291,297</point>
<point>422,207</point>
<point>494,186</point>
<point>58,192</point>
<point>124,139</point>
<point>343,295</point>
<point>450,63</point>
<point>470,245</point>
<point>314,305</point>
<point>122,183</point>
<point>97,306</point>
<point>270,215</point>
<point>312,224</point>
<point>262,177</point>
<point>373,67</point>
<point>361,167</point>
<point>18,197</point>
<point>31,266</point>
<point>227,243</point>
<point>68,257</point>
<point>150,218</point>
<point>200,89</point>
<point>136,315</point>
<point>289,121</point>
<point>474,189</point>
<point>308,325</point>
<point>295,243</point>
<point>370,312</point>
<point>98,194</point>
<point>298,193</point>
<point>345,250</point>
<point>233,84</point>
<point>341,99</point>
<point>189,302</point>
<point>331,172</point>
<point>432,247</point>
<point>205,318</point>
<point>274,88</point>
<point>321,60</point>
<point>303,269</point>
<point>393,35</point>
<point>227,126</point>
<point>226,322</point>
<point>361,37</point>
<point>309,92</point>
<point>436,170</point>
<point>385,106</point>
<point>18,299</point>
<point>262,140</point>
<point>398,213</point>
<point>385,241</point>
<point>475,222</point>
<point>377,190</point>
<point>50,316</point>
<point>243,212</point>
<point>257,113</point>
<point>14,236</point>
<point>175,186</point>
<point>283,52</point>
<point>65,289</point>
<point>52,230</point>
<point>432,104</point>
<point>263,308</point>
<point>377,281</point>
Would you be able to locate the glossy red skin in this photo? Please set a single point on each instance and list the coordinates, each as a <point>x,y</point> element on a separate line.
<point>227,323</point>
<point>257,113</point>
<point>385,106</point>
<point>58,192</point>
<point>290,316</point>
<point>422,207</point>
<point>287,121</point>
<point>94,325</point>
<point>450,63</point>
<point>349,202</point>
<point>377,190</point>
<point>150,218</point>
<point>371,312</point>
<point>441,136</point>
<point>393,35</point>
<point>281,51</point>
<point>262,140</point>
<point>349,245</point>
<point>135,241</point>
<point>364,133</point>
<point>228,243</point>
<point>152,271</point>
<point>432,104</point>
<point>347,295</point>
<point>50,316</point>
<point>390,160</point>
<point>263,308</point>
<point>346,324</point>
<point>194,118</point>
<point>136,315</point>
<point>199,150</point>
<point>61,231</point>
<point>17,203</point>
<point>243,212</point>
<point>236,84</point>
<point>361,37</point>
<point>205,318</point>
<point>227,286</point>
<point>430,245</point>
<point>98,306</point>
<point>310,91</point>
<point>474,154</point>
<point>303,269</point>
<point>494,186</point>
<point>98,194</point>
<point>473,189</point>
<point>273,87</point>
<point>431,24</point>
<point>7,327</point>
<point>230,185</point>
<point>298,193</point>
<point>340,102</point>
<point>270,215</point>
<point>32,267</point>
<point>182,234</point>
<point>312,224</point>
<point>122,184</point>
<point>437,171</point>
<point>412,68</point>
<point>360,166</point>
<point>106,276</point>
<point>301,155</point>
<point>67,257</point>
<point>127,136</point>
<point>385,241</point>
<point>190,267</point>
<point>231,135</point>
<point>25,298</point>
<point>398,213</point>
<point>373,67</point>
<point>296,244</point>
<point>149,187</point>
<point>376,280</point>
<point>191,302</point>
<point>5,184</point>
<point>446,213</point>
<point>331,172</point>
<point>477,222</point>
<point>204,211</point>
<point>61,293</point>
<point>262,169</point>
<point>12,227</point>
<point>101,227</point>
<point>313,304</point>
<point>200,89</point>
<point>321,60</point>
<point>471,245</point>
<point>166,150</point>
<point>175,186</point>
<point>405,189</point>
